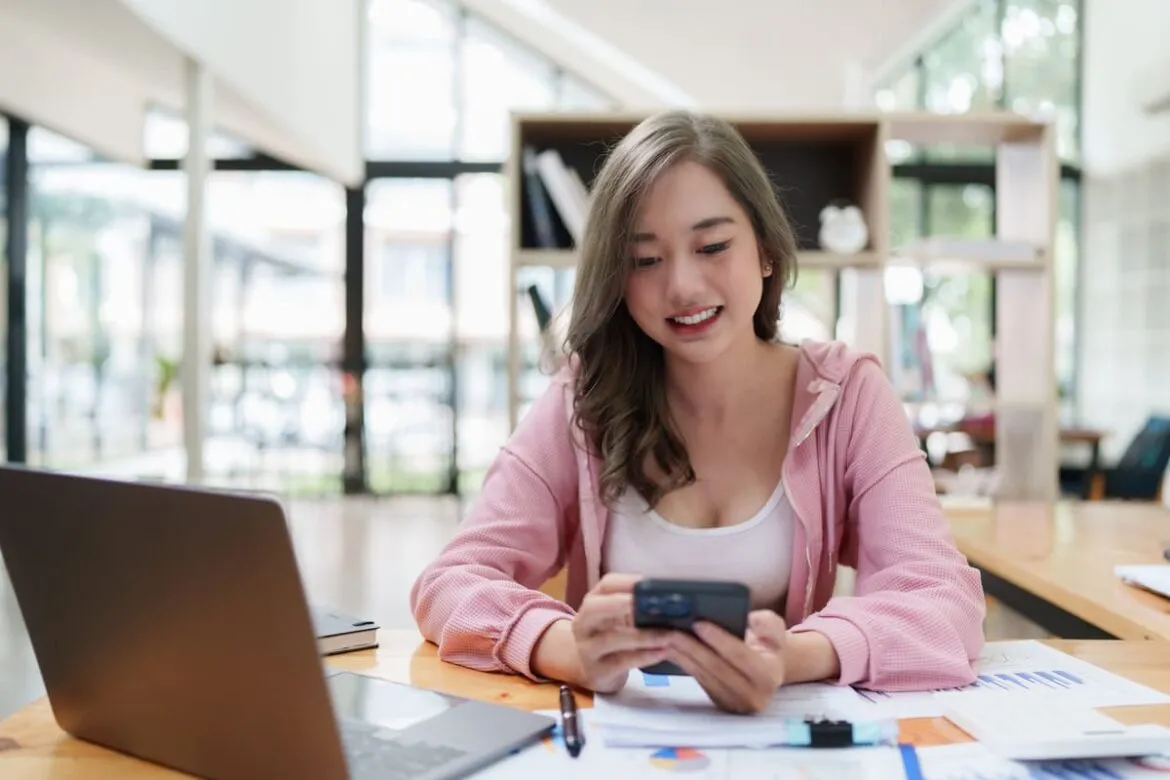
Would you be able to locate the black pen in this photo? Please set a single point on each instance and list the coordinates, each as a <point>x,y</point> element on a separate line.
<point>570,724</point>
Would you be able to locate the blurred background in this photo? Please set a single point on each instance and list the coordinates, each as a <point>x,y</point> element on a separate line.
<point>104,245</point>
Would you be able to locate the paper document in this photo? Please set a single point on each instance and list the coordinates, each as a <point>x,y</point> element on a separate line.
<point>972,761</point>
<point>879,705</point>
<point>969,761</point>
<point>1021,668</point>
<point>1152,577</point>
<point>549,759</point>
<point>665,710</point>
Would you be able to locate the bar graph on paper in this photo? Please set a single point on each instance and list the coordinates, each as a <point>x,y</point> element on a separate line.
<point>975,762</point>
<point>1041,679</point>
<point>1021,667</point>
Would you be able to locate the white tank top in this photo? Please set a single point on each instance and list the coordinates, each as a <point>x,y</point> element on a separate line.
<point>756,552</point>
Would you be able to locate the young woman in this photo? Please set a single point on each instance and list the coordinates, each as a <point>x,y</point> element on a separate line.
<point>684,439</point>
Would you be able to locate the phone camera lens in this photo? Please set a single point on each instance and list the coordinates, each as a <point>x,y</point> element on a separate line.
<point>677,605</point>
<point>651,605</point>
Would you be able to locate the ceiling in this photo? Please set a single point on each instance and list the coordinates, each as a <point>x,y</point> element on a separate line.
<point>105,49</point>
<point>758,54</point>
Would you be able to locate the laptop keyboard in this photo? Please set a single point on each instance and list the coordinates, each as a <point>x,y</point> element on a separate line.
<point>371,754</point>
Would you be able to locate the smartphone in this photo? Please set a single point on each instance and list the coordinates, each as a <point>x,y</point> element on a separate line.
<point>677,604</point>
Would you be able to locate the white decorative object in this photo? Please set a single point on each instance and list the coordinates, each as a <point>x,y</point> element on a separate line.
<point>843,229</point>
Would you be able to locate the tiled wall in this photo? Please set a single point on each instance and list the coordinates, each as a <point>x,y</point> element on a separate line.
<point>1125,301</point>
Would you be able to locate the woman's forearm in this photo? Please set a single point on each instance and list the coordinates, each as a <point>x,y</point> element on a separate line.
<point>555,655</point>
<point>810,657</point>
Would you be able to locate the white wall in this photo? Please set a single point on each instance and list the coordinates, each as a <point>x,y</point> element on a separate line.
<point>1124,329</point>
<point>300,61</point>
<point>758,55</point>
<point>1125,43</point>
<point>582,52</point>
<point>46,80</point>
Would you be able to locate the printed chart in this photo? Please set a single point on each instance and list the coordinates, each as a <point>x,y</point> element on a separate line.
<point>1017,668</point>
<point>975,762</point>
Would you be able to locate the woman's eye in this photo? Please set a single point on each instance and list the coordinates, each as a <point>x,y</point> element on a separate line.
<point>714,249</point>
<point>644,262</point>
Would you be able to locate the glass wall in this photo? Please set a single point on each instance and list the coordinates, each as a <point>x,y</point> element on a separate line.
<point>1019,55</point>
<point>105,321</point>
<point>442,85</point>
<point>105,281</point>
<point>277,418</point>
<point>89,237</point>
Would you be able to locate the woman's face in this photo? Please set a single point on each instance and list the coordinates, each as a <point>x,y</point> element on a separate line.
<point>695,278</point>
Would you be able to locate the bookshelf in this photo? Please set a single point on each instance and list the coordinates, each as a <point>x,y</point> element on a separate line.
<point>818,159</point>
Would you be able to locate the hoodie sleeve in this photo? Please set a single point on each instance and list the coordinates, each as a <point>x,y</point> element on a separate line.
<point>915,620</point>
<point>478,600</point>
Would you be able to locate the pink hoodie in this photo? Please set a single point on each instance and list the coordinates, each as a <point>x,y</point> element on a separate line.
<point>863,497</point>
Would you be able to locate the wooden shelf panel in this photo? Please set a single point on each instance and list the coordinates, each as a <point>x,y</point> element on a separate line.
<point>570,127</point>
<point>546,258</point>
<point>813,160</point>
<point>972,129</point>
<point>567,258</point>
<point>943,252</point>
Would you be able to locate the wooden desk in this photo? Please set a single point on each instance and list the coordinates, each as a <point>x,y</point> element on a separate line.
<point>1053,563</point>
<point>31,745</point>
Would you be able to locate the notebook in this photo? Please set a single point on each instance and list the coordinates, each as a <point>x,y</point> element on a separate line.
<point>1152,577</point>
<point>1036,730</point>
<point>341,633</point>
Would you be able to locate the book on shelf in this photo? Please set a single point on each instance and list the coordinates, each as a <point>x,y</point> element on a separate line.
<point>538,201</point>
<point>564,189</point>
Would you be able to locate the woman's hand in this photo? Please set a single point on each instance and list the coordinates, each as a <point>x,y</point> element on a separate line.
<point>608,644</point>
<point>739,675</point>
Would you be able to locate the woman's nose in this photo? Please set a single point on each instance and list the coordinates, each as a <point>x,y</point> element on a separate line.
<point>684,280</point>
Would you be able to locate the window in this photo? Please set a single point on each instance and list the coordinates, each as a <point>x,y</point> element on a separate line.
<point>809,309</point>
<point>165,137</point>
<point>408,262</point>
<point>481,321</point>
<point>498,76</point>
<point>91,376</point>
<point>964,72</point>
<point>410,412</point>
<point>1018,55</point>
<point>1041,48</point>
<point>576,95</point>
<point>106,275</point>
<point>411,83</point>
<point>956,307</point>
<point>951,312</point>
<point>437,256</point>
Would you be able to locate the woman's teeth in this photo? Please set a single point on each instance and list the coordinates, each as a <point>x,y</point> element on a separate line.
<point>695,319</point>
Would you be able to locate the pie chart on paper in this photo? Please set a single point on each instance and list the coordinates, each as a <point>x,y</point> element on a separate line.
<point>679,760</point>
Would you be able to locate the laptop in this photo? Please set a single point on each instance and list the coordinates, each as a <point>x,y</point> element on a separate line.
<point>171,624</point>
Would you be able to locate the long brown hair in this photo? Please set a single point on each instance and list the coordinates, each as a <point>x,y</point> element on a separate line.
<point>620,383</point>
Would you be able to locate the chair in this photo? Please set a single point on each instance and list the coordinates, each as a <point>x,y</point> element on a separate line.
<point>1137,475</point>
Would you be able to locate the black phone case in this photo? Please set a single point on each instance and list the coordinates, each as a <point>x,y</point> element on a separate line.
<point>677,604</point>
